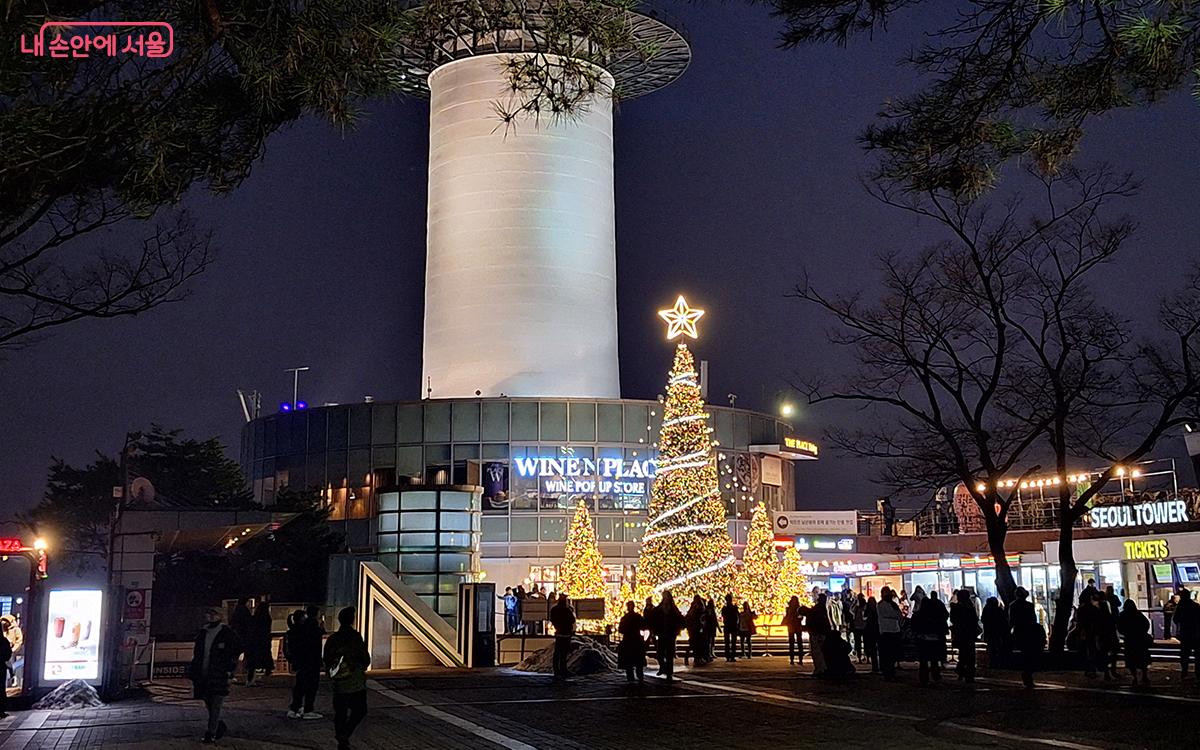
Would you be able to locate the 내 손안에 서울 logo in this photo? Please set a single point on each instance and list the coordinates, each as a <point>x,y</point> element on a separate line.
<point>79,39</point>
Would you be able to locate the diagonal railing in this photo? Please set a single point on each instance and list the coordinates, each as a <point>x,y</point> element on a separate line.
<point>378,586</point>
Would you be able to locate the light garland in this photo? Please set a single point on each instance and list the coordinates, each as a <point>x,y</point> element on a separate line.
<point>694,574</point>
<point>687,418</point>
<point>664,516</point>
<point>680,530</point>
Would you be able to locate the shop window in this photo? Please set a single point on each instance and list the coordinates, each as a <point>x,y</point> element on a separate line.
<point>523,529</point>
<point>338,427</point>
<point>495,529</point>
<point>553,529</point>
<point>360,424</point>
<point>554,421</point>
<point>383,424</point>
<point>608,423</point>
<point>465,421</point>
<point>525,420</point>
<point>409,423</point>
<point>494,415</point>
<point>582,422</point>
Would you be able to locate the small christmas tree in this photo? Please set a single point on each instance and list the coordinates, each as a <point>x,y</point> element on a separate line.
<point>760,564</point>
<point>791,582</point>
<point>686,547</point>
<point>581,575</point>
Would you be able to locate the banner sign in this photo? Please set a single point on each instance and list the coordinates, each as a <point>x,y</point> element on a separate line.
<point>816,522</point>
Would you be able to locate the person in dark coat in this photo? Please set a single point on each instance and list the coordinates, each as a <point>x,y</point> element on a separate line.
<point>347,660</point>
<point>1168,615</point>
<point>214,658</point>
<point>964,630</point>
<point>930,629</point>
<point>258,648</point>
<point>1135,629</point>
<point>562,617</point>
<point>304,647</point>
<point>1027,634</point>
<point>729,622</point>
<point>695,630</point>
<point>793,620</point>
<point>649,613</point>
<point>243,627</point>
<point>1187,629</point>
<point>631,653</point>
<point>995,631</point>
<point>711,627</point>
<point>668,624</point>
<point>871,633</point>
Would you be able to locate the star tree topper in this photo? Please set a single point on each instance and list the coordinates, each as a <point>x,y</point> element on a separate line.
<point>681,319</point>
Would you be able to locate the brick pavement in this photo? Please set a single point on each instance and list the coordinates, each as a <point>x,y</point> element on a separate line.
<point>763,702</point>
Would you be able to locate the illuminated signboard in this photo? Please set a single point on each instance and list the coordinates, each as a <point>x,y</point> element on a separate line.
<point>796,445</point>
<point>838,567</point>
<point>1146,514</point>
<point>1148,549</point>
<point>951,563</point>
<point>9,545</point>
<point>825,543</point>
<point>73,635</point>
<point>557,481</point>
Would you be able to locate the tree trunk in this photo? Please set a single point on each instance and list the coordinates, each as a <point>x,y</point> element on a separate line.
<point>1066,592</point>
<point>1006,585</point>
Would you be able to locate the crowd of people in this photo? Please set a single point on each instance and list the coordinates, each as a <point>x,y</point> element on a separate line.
<point>343,655</point>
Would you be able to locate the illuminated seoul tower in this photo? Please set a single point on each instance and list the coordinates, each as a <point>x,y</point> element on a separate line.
<point>520,279</point>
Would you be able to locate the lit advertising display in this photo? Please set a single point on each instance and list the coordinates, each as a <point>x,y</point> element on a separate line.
<point>73,635</point>
<point>557,482</point>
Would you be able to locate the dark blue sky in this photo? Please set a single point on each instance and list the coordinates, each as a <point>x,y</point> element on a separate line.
<point>728,182</point>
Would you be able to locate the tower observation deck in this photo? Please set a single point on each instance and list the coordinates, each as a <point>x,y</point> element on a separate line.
<point>520,280</point>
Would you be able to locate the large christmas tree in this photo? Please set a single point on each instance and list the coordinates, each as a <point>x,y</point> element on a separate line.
<point>760,564</point>
<point>686,547</point>
<point>581,575</point>
<point>791,582</point>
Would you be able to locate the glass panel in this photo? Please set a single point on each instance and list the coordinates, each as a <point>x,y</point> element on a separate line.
<point>524,529</point>
<point>466,421</point>
<point>383,424</point>
<point>456,522</point>
<point>360,424</point>
<point>554,421</point>
<point>272,441</point>
<point>418,540</point>
<point>525,420</point>
<point>384,458</point>
<point>554,529</point>
<point>391,562</point>
<point>437,422</point>
<point>316,430</point>
<point>618,529</point>
<point>457,540</point>
<point>421,583</point>
<point>388,521</point>
<point>418,563</point>
<point>418,521</point>
<point>457,501</point>
<point>339,432</point>
<point>603,529</point>
<point>410,460</point>
<point>360,467</point>
<point>634,530</point>
<point>389,501</point>
<point>418,500</point>
<point>636,419</point>
<point>463,452</point>
<point>495,420</point>
<point>495,529</point>
<point>762,431</point>
<point>495,450</point>
<point>409,423</point>
<point>454,562</point>
<point>388,543</point>
<point>723,424</point>
<point>583,421</point>
<point>741,431</point>
<point>448,606</point>
<point>608,423</point>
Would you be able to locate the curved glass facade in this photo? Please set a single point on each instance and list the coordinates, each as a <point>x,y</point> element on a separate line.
<point>535,458</point>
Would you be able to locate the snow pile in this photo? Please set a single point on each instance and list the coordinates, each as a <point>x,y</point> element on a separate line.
<point>586,656</point>
<point>73,694</point>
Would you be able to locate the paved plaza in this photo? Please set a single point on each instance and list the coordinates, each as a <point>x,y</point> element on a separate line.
<point>756,704</point>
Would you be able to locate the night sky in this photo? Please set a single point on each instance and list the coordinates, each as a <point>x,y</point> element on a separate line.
<point>728,182</point>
